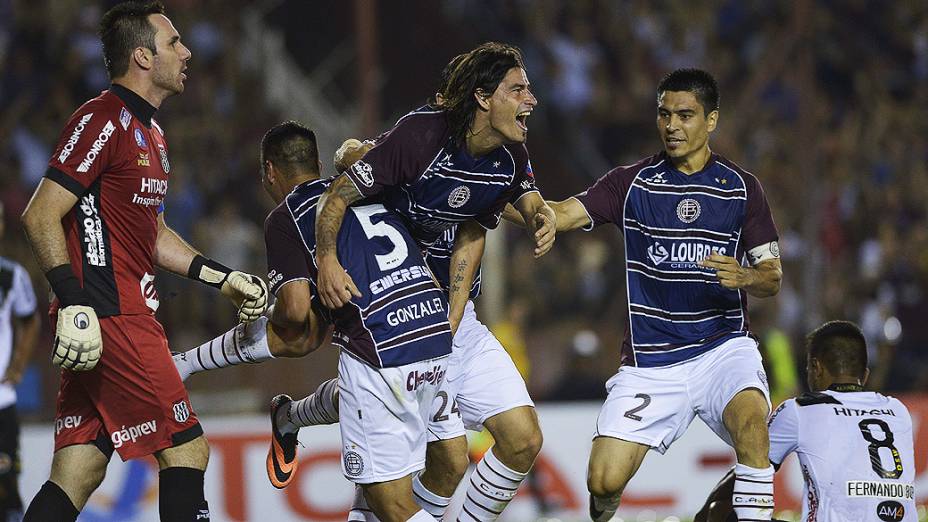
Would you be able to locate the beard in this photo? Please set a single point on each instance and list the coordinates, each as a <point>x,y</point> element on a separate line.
<point>166,80</point>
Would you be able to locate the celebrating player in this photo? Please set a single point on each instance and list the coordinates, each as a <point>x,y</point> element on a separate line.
<point>688,217</point>
<point>854,446</point>
<point>97,228</point>
<point>458,164</point>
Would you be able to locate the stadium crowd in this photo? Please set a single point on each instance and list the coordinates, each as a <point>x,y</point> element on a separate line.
<point>819,105</point>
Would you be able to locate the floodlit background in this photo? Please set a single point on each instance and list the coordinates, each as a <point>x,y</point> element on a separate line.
<point>824,101</point>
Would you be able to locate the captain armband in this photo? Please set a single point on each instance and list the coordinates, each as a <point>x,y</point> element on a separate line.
<point>207,271</point>
<point>764,252</point>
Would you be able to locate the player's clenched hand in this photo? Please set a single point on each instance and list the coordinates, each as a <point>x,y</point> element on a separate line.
<point>545,225</point>
<point>78,345</point>
<point>334,284</point>
<point>729,271</point>
<point>248,292</point>
<point>350,152</point>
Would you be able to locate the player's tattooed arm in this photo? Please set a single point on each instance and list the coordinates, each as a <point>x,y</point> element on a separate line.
<point>465,259</point>
<point>761,280</point>
<point>334,284</point>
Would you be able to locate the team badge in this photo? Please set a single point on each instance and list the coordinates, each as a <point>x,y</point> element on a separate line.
<point>140,139</point>
<point>364,172</point>
<point>688,210</point>
<point>775,249</point>
<point>354,464</point>
<point>165,165</point>
<point>124,118</point>
<point>458,197</point>
<point>181,411</point>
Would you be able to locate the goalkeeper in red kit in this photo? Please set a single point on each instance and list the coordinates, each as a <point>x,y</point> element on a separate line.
<point>96,225</point>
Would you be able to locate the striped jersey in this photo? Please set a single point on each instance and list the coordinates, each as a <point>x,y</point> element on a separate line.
<point>17,300</point>
<point>856,453</point>
<point>401,316</point>
<point>670,221</point>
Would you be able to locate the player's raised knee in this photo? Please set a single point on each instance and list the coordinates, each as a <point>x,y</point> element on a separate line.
<point>604,485</point>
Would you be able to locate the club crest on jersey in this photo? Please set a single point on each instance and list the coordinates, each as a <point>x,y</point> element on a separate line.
<point>364,173</point>
<point>140,139</point>
<point>459,197</point>
<point>165,165</point>
<point>688,210</point>
<point>657,253</point>
<point>124,118</point>
<point>181,411</point>
<point>354,464</point>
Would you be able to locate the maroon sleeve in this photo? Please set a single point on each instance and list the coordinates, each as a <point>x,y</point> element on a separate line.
<point>604,201</point>
<point>287,259</point>
<point>85,148</point>
<point>401,155</point>
<point>759,227</point>
<point>523,182</point>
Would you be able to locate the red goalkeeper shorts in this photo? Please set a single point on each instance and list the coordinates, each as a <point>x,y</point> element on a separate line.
<point>133,401</point>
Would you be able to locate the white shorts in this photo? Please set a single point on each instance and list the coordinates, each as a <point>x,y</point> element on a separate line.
<point>483,380</point>
<point>655,406</point>
<point>383,416</point>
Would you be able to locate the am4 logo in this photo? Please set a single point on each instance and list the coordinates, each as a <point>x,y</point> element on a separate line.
<point>890,511</point>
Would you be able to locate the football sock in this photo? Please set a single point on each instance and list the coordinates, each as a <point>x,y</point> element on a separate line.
<point>421,516</point>
<point>180,495</point>
<point>492,486</point>
<point>752,498</point>
<point>432,503</point>
<point>244,344</point>
<point>604,508</point>
<point>51,504</point>
<point>318,408</point>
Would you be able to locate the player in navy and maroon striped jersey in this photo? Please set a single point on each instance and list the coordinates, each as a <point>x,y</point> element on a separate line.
<point>96,226</point>
<point>699,238</point>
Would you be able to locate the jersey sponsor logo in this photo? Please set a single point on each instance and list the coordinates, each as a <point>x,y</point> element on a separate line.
<point>140,139</point>
<point>776,412</point>
<point>72,141</point>
<point>67,422</point>
<point>273,277</point>
<point>657,179</point>
<point>133,433</point>
<point>853,412</point>
<point>880,489</point>
<point>354,464</point>
<point>165,165</point>
<point>399,276</point>
<point>683,254</point>
<point>417,378</point>
<point>459,197</point>
<point>97,146</point>
<point>147,286</point>
<point>688,210</point>
<point>125,118</point>
<point>144,160</point>
<point>93,232</point>
<point>181,411</point>
<point>890,511</point>
<point>657,253</point>
<point>414,311</point>
<point>363,172</point>
<point>526,184</point>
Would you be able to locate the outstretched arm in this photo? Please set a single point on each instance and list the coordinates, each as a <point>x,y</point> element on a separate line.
<point>570,215</point>
<point>540,220</point>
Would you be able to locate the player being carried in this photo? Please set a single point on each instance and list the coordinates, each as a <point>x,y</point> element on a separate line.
<point>448,172</point>
<point>854,446</point>
<point>688,217</point>
<point>97,228</point>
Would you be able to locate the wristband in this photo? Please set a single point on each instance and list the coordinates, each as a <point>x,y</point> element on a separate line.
<point>207,271</point>
<point>66,286</point>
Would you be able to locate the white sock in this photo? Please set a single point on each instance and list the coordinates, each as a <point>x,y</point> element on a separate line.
<point>421,516</point>
<point>433,503</point>
<point>244,344</point>
<point>492,486</point>
<point>752,498</point>
<point>319,408</point>
<point>360,511</point>
<point>606,507</point>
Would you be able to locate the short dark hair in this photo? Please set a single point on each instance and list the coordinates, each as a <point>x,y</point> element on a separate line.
<point>480,69</point>
<point>840,346</point>
<point>291,147</point>
<point>446,77</point>
<point>124,28</point>
<point>696,81</point>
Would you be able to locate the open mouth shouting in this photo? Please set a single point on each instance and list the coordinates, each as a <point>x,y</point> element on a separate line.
<point>521,120</point>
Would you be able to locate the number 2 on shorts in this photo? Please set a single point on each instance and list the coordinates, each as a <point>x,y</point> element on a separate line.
<point>645,400</point>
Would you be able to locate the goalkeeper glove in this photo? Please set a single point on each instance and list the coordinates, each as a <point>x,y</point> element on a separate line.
<point>78,345</point>
<point>248,292</point>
